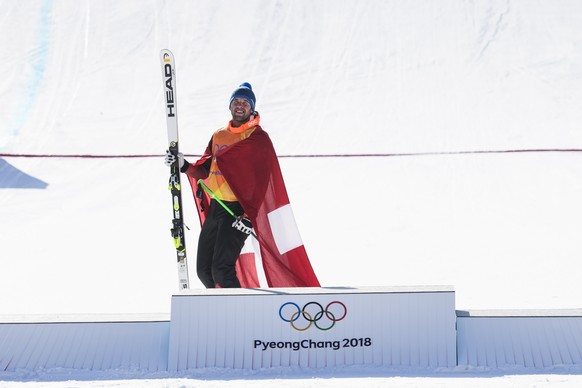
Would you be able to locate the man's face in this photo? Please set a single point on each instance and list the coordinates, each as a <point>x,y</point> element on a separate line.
<point>240,110</point>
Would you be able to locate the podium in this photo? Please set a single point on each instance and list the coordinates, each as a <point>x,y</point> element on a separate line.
<point>313,327</point>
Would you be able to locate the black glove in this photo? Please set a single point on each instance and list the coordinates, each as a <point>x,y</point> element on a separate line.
<point>243,224</point>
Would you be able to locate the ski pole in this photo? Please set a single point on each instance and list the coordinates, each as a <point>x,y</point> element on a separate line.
<point>213,196</point>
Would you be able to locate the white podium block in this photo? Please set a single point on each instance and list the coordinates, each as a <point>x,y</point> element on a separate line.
<point>520,338</point>
<point>313,327</point>
<point>88,342</point>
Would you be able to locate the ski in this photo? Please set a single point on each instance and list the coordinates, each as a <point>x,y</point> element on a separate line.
<point>169,78</point>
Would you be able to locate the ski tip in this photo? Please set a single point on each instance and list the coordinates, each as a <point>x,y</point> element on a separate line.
<point>166,55</point>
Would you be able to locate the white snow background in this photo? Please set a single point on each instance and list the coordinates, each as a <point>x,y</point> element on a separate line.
<point>432,88</point>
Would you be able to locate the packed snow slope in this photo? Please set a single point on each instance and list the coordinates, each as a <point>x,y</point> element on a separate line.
<point>424,81</point>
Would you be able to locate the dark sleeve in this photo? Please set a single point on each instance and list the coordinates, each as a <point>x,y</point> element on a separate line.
<point>201,168</point>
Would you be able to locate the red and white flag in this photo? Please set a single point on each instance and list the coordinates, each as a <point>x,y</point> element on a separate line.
<point>256,180</point>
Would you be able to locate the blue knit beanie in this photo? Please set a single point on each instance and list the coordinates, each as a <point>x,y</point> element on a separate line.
<point>245,90</point>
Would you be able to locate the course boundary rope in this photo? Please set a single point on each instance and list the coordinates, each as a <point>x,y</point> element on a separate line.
<point>355,155</point>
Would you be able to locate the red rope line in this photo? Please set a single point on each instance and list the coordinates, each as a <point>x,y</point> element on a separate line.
<point>362,155</point>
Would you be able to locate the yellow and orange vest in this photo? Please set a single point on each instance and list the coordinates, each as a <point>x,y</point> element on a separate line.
<point>221,140</point>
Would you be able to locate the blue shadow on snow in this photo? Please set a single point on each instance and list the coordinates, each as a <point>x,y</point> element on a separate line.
<point>13,178</point>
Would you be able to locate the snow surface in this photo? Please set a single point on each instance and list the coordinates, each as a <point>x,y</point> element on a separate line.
<point>418,80</point>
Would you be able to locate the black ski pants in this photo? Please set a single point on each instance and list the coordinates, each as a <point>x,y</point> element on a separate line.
<point>219,246</point>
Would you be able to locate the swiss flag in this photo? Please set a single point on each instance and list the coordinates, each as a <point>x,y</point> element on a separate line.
<point>256,180</point>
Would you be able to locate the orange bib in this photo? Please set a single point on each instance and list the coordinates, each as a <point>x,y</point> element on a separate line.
<point>221,140</point>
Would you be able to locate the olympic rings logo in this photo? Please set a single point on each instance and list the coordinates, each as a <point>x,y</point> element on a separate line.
<point>313,313</point>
